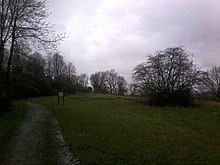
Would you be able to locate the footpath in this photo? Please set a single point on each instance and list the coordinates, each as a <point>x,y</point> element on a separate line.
<point>39,141</point>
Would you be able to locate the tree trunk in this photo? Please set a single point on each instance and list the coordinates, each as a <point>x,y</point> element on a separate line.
<point>7,77</point>
<point>1,37</point>
<point>1,56</point>
<point>219,91</point>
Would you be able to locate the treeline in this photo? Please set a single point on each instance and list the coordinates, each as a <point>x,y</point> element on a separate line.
<point>23,25</point>
<point>168,77</point>
<point>34,75</point>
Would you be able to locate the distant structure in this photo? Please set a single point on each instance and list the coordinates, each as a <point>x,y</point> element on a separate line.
<point>90,88</point>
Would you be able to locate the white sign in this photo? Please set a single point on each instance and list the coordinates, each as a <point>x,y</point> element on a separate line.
<point>60,94</point>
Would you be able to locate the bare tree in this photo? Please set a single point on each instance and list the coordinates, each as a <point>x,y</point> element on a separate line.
<point>5,23</point>
<point>58,65</point>
<point>210,81</point>
<point>168,75</point>
<point>69,78</point>
<point>108,82</point>
<point>49,66</point>
<point>23,22</point>
<point>111,79</point>
<point>70,70</point>
<point>98,81</point>
<point>83,80</point>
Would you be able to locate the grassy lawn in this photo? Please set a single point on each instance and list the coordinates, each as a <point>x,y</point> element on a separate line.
<point>102,129</point>
<point>9,122</point>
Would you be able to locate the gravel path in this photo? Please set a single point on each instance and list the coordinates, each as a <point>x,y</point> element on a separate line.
<point>39,141</point>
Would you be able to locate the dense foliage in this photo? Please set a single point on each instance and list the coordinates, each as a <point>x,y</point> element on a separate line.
<point>167,77</point>
<point>22,25</point>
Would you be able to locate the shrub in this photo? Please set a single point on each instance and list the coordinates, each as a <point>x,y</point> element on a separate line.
<point>178,98</point>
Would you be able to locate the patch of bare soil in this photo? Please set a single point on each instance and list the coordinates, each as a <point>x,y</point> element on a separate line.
<point>39,141</point>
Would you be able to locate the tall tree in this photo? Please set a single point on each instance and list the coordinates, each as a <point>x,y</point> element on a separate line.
<point>49,66</point>
<point>24,22</point>
<point>69,78</point>
<point>111,79</point>
<point>31,80</point>
<point>70,70</point>
<point>5,27</point>
<point>59,66</point>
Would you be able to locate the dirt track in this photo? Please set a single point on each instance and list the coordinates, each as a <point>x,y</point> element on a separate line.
<point>39,141</point>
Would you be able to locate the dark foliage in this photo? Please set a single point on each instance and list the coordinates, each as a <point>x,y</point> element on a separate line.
<point>5,104</point>
<point>179,98</point>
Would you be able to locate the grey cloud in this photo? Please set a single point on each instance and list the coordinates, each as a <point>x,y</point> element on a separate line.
<point>119,34</point>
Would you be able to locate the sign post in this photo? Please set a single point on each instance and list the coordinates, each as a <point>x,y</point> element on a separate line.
<point>60,97</point>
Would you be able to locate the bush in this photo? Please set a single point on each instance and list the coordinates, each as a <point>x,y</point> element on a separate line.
<point>179,98</point>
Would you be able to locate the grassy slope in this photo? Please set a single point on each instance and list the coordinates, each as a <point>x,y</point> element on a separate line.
<point>115,130</point>
<point>9,122</point>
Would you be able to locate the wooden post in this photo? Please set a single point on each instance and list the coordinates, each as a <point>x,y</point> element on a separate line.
<point>63,98</point>
<point>58,97</point>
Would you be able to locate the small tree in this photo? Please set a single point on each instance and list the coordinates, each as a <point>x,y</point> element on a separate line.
<point>167,77</point>
<point>210,82</point>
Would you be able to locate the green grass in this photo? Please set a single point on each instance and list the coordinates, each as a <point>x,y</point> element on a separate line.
<point>9,122</point>
<point>102,129</point>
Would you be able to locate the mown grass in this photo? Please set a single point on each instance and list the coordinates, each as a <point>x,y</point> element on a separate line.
<point>9,123</point>
<point>102,129</point>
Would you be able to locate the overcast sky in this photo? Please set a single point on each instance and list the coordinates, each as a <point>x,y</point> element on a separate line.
<point>118,34</point>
